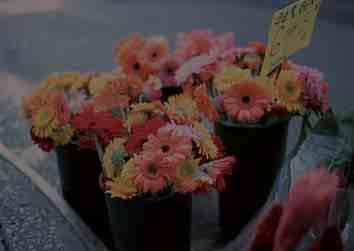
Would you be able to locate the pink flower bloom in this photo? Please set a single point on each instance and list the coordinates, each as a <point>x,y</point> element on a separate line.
<point>266,229</point>
<point>218,169</point>
<point>173,148</point>
<point>195,65</point>
<point>315,87</point>
<point>168,71</point>
<point>223,43</point>
<point>193,44</point>
<point>155,51</point>
<point>308,205</point>
<point>150,173</point>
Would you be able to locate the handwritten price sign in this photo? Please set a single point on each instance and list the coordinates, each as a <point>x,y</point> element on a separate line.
<point>291,31</point>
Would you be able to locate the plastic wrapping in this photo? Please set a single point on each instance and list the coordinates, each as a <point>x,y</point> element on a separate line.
<point>331,144</point>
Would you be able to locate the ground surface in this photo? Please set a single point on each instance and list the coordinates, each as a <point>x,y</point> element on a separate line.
<point>61,35</point>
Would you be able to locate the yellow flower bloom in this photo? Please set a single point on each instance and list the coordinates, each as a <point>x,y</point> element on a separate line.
<point>204,142</point>
<point>146,107</point>
<point>121,188</point>
<point>135,118</point>
<point>63,135</point>
<point>229,76</point>
<point>44,123</point>
<point>182,109</point>
<point>97,83</point>
<point>289,90</point>
<point>113,158</point>
<point>82,81</point>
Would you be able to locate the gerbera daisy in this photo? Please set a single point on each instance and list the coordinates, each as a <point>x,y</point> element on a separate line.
<point>289,89</point>
<point>185,182</point>
<point>173,148</point>
<point>44,122</point>
<point>194,43</point>
<point>155,51</point>
<point>113,158</point>
<point>60,106</point>
<point>63,135</point>
<point>204,141</point>
<point>125,46</point>
<point>218,169</point>
<point>136,66</point>
<point>46,144</point>
<point>135,119</point>
<point>205,105</point>
<point>99,81</point>
<point>182,109</point>
<point>121,188</point>
<point>247,101</point>
<point>151,175</point>
<point>230,76</point>
<point>168,71</point>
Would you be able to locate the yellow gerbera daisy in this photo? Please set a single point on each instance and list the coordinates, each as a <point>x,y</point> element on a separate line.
<point>113,158</point>
<point>135,118</point>
<point>63,135</point>
<point>289,90</point>
<point>44,123</point>
<point>146,107</point>
<point>97,83</point>
<point>121,188</point>
<point>205,143</point>
<point>82,81</point>
<point>229,76</point>
<point>182,109</point>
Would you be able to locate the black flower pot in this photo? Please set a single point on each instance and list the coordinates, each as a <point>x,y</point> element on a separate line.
<point>170,91</point>
<point>260,151</point>
<point>79,172</point>
<point>158,225</point>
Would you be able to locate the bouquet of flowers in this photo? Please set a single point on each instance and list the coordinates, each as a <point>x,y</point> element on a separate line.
<point>74,108</point>
<point>232,79</point>
<point>164,148</point>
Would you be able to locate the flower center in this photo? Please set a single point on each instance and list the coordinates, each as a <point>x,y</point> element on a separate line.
<point>136,66</point>
<point>152,169</point>
<point>246,99</point>
<point>290,88</point>
<point>165,148</point>
<point>169,71</point>
<point>154,55</point>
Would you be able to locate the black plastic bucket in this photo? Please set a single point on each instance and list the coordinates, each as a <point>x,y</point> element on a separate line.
<point>170,91</point>
<point>79,172</point>
<point>158,225</point>
<point>260,151</point>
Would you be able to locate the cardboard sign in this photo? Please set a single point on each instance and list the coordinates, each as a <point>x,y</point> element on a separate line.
<point>291,31</point>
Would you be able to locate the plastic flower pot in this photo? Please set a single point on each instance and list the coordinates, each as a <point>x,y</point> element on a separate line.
<point>145,224</point>
<point>79,172</point>
<point>260,151</point>
<point>170,91</point>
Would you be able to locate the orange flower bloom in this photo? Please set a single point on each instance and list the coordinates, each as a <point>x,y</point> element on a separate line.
<point>136,66</point>
<point>247,101</point>
<point>260,47</point>
<point>126,45</point>
<point>204,103</point>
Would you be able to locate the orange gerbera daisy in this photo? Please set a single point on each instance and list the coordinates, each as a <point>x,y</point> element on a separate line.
<point>136,66</point>
<point>155,51</point>
<point>173,148</point>
<point>126,45</point>
<point>205,105</point>
<point>150,173</point>
<point>247,101</point>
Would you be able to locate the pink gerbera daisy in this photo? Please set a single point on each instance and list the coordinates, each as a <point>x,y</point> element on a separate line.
<point>150,173</point>
<point>168,71</point>
<point>247,101</point>
<point>155,51</point>
<point>173,148</point>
